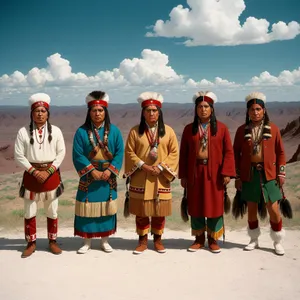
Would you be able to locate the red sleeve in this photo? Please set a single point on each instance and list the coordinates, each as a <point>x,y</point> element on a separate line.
<point>183,155</point>
<point>237,148</point>
<point>228,167</point>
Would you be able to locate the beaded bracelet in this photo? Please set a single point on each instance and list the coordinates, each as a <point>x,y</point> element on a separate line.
<point>51,170</point>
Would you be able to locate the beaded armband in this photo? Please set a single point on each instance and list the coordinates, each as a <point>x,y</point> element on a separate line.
<point>281,172</point>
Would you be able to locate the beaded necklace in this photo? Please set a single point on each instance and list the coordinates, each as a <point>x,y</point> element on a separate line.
<point>256,136</point>
<point>203,134</point>
<point>42,134</point>
<point>153,141</point>
<point>102,144</point>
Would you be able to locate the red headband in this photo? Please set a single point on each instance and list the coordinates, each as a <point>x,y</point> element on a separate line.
<point>97,102</point>
<point>151,102</point>
<point>208,99</point>
<point>39,103</point>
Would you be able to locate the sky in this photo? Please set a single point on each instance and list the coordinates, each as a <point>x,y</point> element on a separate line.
<point>69,48</point>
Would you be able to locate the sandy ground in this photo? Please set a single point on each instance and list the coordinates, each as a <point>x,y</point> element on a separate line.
<point>177,274</point>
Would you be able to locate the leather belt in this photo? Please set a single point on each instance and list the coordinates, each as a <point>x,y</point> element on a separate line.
<point>258,165</point>
<point>202,161</point>
<point>42,166</point>
<point>101,166</point>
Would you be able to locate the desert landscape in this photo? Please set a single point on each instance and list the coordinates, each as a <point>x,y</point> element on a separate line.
<point>177,264</point>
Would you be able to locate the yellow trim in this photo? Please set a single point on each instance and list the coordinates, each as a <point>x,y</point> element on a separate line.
<point>142,231</point>
<point>98,209</point>
<point>215,235</point>
<point>157,231</point>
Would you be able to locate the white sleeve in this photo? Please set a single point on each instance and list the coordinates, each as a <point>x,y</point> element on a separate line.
<point>20,144</point>
<point>60,149</point>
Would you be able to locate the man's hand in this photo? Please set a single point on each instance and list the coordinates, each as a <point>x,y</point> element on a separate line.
<point>97,175</point>
<point>238,184</point>
<point>183,182</point>
<point>147,169</point>
<point>155,171</point>
<point>226,180</point>
<point>105,175</point>
<point>41,176</point>
<point>281,180</point>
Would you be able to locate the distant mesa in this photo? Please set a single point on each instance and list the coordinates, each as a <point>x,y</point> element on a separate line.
<point>296,156</point>
<point>292,129</point>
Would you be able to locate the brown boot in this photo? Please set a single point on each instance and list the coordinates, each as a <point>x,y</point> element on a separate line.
<point>54,248</point>
<point>213,245</point>
<point>158,245</point>
<point>30,248</point>
<point>143,244</point>
<point>198,243</point>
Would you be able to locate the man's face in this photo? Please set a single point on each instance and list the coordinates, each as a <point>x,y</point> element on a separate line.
<point>151,114</point>
<point>97,114</point>
<point>204,111</point>
<point>40,115</point>
<point>256,113</point>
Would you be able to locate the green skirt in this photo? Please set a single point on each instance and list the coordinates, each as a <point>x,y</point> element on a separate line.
<point>251,191</point>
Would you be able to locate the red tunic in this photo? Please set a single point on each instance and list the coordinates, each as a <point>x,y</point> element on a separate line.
<point>205,190</point>
<point>273,154</point>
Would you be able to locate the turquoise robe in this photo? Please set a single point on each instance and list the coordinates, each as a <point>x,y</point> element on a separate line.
<point>96,207</point>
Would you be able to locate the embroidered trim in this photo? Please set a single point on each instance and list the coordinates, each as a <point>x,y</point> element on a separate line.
<point>134,168</point>
<point>30,237</point>
<point>113,169</point>
<point>31,170</point>
<point>86,170</point>
<point>52,236</point>
<point>167,168</point>
<point>139,190</point>
<point>51,170</point>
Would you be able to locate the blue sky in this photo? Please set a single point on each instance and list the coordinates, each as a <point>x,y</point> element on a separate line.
<point>72,47</point>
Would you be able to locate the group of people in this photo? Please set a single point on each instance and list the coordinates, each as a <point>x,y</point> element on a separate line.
<point>205,163</point>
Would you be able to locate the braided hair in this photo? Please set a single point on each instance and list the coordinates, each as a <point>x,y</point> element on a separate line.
<point>161,126</point>
<point>213,119</point>
<point>31,127</point>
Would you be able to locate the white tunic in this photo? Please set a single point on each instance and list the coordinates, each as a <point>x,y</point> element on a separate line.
<point>40,152</point>
<point>25,153</point>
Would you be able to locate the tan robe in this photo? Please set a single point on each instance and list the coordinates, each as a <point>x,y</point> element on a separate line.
<point>151,195</point>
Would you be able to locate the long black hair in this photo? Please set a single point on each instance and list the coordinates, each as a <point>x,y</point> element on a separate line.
<point>97,95</point>
<point>266,120</point>
<point>213,119</point>
<point>49,127</point>
<point>161,126</point>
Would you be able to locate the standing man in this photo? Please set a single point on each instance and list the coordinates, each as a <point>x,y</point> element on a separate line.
<point>260,168</point>
<point>97,156</point>
<point>40,150</point>
<point>206,164</point>
<point>151,161</point>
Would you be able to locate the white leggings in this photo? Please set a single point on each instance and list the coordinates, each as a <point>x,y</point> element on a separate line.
<point>50,207</point>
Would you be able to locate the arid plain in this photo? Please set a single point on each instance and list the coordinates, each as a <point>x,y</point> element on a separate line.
<point>228,275</point>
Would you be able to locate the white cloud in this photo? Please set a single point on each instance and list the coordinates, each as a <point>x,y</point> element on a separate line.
<point>285,78</point>
<point>151,71</point>
<point>211,22</point>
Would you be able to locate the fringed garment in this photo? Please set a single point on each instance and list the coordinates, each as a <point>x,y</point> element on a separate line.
<point>96,201</point>
<point>151,195</point>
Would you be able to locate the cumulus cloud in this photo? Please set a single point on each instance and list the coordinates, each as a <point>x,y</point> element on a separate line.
<point>212,22</point>
<point>151,70</point>
<point>285,78</point>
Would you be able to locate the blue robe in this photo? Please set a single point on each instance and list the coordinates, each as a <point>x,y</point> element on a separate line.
<point>96,207</point>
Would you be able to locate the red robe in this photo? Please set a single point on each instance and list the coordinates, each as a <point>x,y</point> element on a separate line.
<point>205,190</point>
